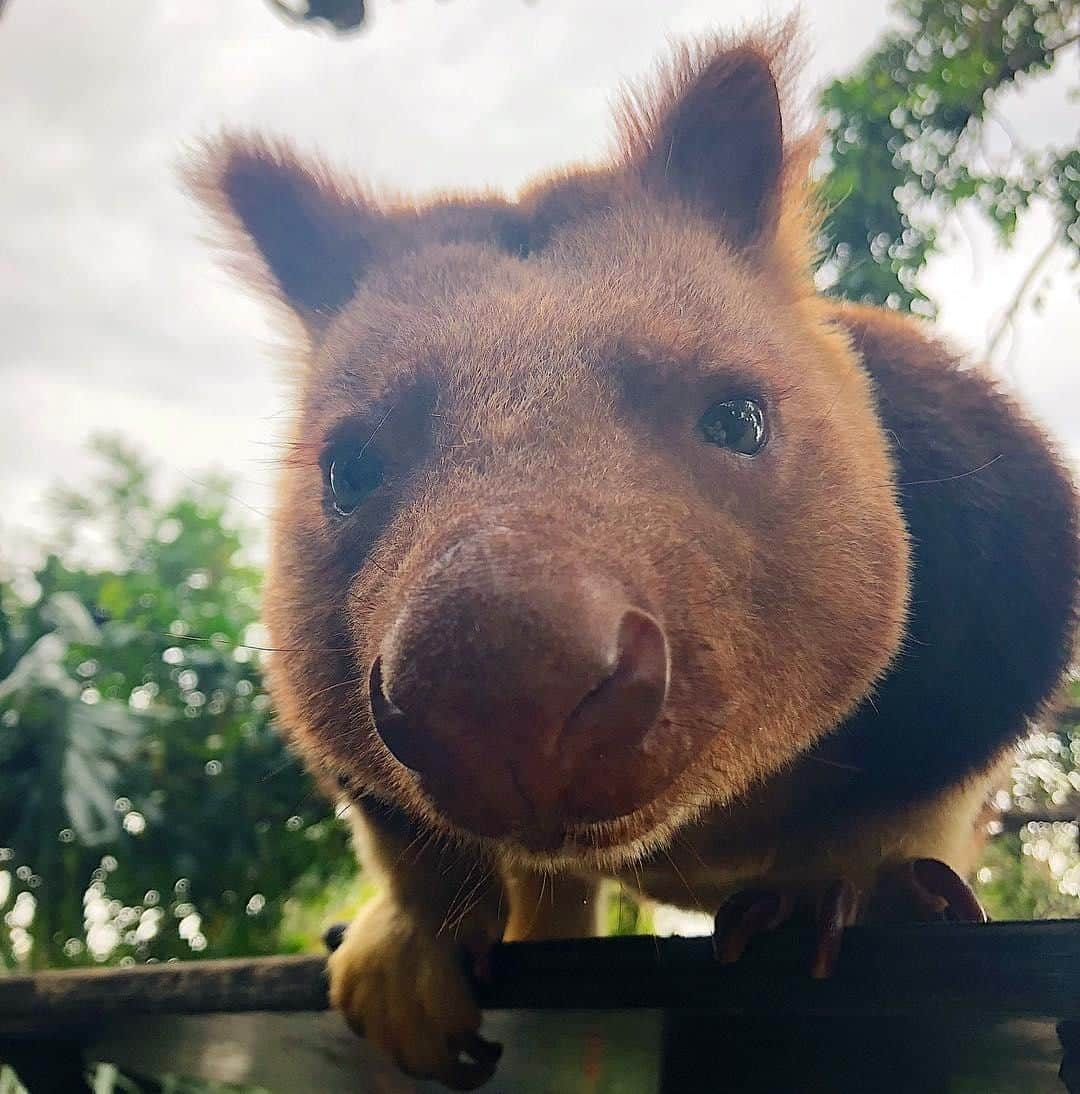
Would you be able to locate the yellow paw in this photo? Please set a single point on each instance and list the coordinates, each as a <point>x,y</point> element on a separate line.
<point>404,988</point>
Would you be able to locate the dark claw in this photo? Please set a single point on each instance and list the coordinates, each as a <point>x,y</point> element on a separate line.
<point>941,880</point>
<point>474,1060</point>
<point>479,1048</point>
<point>745,915</point>
<point>836,911</point>
<point>334,935</point>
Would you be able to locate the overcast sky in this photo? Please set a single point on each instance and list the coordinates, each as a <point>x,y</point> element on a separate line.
<point>114,312</point>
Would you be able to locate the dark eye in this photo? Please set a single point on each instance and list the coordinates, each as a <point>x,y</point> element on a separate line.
<point>736,424</point>
<point>352,477</point>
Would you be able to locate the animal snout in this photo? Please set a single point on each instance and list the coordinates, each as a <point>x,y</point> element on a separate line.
<point>521,684</point>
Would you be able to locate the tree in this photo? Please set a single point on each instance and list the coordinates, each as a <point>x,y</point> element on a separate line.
<point>147,808</point>
<point>905,141</point>
<point>1031,867</point>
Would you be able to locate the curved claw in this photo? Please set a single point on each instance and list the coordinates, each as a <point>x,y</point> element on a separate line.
<point>924,889</point>
<point>745,915</point>
<point>941,880</point>
<point>837,910</point>
<point>474,1061</point>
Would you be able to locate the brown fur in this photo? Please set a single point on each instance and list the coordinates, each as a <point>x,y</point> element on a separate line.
<point>532,373</point>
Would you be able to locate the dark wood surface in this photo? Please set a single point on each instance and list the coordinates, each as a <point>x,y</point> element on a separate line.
<point>910,1010</point>
<point>1001,969</point>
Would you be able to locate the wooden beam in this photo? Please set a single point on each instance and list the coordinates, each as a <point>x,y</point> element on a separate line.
<point>1001,969</point>
<point>87,996</point>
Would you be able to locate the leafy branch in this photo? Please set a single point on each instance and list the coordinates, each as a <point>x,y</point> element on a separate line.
<point>903,142</point>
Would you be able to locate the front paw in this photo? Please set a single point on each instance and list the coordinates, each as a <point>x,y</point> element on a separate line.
<point>909,891</point>
<point>403,987</point>
<point>832,906</point>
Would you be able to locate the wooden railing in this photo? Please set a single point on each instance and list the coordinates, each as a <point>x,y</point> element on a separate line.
<point>917,1009</point>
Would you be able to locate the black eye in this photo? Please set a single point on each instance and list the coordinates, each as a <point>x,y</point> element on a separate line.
<point>736,424</point>
<point>352,477</point>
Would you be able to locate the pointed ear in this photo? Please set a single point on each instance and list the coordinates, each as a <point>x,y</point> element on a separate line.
<point>713,134</point>
<point>307,232</point>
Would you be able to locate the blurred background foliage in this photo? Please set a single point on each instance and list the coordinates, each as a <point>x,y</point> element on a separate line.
<point>910,140</point>
<point>148,809</point>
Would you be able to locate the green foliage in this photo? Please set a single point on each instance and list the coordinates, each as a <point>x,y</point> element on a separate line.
<point>147,808</point>
<point>1031,870</point>
<point>905,141</point>
<point>1016,885</point>
<point>625,915</point>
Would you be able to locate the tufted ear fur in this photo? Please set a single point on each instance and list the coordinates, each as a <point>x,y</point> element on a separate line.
<point>711,132</point>
<point>308,232</point>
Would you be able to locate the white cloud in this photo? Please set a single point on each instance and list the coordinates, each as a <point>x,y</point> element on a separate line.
<point>1039,357</point>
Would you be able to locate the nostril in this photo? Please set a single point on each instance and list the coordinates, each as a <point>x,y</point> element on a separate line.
<point>627,703</point>
<point>391,722</point>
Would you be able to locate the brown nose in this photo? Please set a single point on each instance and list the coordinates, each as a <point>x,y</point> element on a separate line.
<point>522,687</point>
